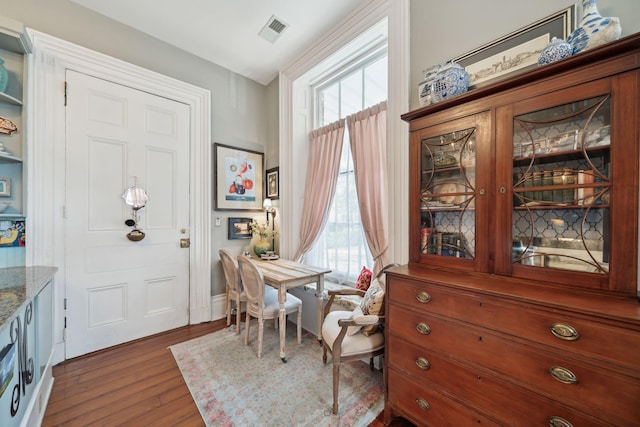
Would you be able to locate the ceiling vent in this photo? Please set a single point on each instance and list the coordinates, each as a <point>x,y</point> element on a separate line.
<point>273,29</point>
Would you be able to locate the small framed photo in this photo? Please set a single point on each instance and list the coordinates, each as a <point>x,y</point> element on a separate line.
<point>239,228</point>
<point>5,187</point>
<point>273,183</point>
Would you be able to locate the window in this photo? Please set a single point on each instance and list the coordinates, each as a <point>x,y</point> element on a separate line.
<point>342,246</point>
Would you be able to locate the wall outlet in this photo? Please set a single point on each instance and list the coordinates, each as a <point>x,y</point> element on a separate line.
<point>217,222</point>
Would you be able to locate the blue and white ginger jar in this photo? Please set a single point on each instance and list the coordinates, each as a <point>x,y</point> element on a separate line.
<point>594,30</point>
<point>450,81</point>
<point>556,50</point>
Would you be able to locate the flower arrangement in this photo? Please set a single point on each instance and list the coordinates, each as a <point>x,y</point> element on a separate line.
<point>260,229</point>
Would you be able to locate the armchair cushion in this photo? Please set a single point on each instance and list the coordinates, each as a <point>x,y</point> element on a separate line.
<point>373,303</point>
<point>352,344</point>
<point>364,279</point>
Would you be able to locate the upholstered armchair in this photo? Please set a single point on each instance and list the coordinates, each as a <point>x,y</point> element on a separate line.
<point>354,335</point>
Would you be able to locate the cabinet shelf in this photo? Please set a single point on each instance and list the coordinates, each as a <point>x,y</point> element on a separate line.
<point>562,156</point>
<point>8,99</point>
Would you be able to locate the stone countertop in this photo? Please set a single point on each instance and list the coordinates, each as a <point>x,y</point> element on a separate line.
<point>19,285</point>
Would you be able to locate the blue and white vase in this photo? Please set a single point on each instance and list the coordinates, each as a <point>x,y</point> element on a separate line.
<point>556,50</point>
<point>450,81</point>
<point>594,30</point>
<point>4,76</point>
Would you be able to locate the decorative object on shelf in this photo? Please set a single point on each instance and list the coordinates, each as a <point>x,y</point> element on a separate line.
<point>5,187</point>
<point>137,198</point>
<point>4,76</point>
<point>7,127</point>
<point>451,80</point>
<point>594,30</point>
<point>556,50</point>
<point>517,51</point>
<point>425,86</point>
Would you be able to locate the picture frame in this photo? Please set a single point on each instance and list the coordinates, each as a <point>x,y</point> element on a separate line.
<point>518,51</point>
<point>239,228</point>
<point>239,178</point>
<point>273,183</point>
<point>5,187</point>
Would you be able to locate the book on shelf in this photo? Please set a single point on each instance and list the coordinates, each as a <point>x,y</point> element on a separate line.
<point>568,194</point>
<point>585,193</point>
<point>547,181</point>
<point>448,244</point>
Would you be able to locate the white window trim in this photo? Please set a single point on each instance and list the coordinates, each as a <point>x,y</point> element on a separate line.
<point>296,121</point>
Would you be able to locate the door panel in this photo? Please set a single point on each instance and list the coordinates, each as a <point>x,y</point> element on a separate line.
<point>119,290</point>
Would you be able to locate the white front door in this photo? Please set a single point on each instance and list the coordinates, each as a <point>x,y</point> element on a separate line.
<point>118,290</point>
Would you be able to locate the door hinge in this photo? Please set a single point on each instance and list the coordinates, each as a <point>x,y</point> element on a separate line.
<point>65,304</point>
<point>64,212</point>
<point>65,93</point>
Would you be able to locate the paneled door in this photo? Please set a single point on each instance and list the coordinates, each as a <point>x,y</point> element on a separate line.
<point>118,290</point>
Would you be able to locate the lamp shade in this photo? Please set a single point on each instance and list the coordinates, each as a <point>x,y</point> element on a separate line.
<point>267,203</point>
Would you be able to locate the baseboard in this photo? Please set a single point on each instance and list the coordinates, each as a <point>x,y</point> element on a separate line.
<point>218,307</point>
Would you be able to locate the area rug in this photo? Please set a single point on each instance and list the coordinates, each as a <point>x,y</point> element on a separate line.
<point>233,387</point>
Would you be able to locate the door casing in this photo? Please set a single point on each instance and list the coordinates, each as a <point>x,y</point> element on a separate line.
<point>45,157</point>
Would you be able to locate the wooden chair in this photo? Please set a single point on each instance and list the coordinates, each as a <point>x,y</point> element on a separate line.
<point>263,304</point>
<point>341,337</point>
<point>235,291</point>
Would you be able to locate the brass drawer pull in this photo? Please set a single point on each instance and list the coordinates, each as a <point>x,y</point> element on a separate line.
<point>555,421</point>
<point>423,404</point>
<point>563,375</point>
<point>564,332</point>
<point>423,328</point>
<point>423,363</point>
<point>423,297</point>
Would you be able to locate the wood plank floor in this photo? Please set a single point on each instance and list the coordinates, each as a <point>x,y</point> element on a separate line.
<point>134,384</point>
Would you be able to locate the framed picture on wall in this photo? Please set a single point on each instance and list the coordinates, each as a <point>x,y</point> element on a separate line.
<point>518,51</point>
<point>239,228</point>
<point>238,178</point>
<point>273,183</point>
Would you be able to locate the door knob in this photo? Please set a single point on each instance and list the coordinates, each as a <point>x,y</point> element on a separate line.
<point>185,243</point>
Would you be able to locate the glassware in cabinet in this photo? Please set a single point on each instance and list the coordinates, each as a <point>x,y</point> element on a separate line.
<point>561,182</point>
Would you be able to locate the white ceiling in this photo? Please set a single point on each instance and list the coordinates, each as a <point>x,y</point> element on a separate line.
<point>225,32</point>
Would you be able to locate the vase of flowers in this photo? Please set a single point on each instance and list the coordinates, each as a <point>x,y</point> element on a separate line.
<point>262,231</point>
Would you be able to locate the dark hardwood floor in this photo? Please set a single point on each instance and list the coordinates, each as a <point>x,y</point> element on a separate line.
<point>134,384</point>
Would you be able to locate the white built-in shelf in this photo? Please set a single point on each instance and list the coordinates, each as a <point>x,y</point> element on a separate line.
<point>8,99</point>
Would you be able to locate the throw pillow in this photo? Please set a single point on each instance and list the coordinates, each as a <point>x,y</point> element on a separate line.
<point>373,303</point>
<point>364,279</point>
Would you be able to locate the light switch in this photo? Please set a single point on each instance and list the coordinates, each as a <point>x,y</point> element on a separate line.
<point>217,222</point>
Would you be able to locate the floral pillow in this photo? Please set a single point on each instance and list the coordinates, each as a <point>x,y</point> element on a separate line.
<point>364,279</point>
<point>373,303</point>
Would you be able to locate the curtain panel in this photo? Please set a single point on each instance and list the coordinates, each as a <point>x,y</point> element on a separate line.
<point>368,139</point>
<point>325,148</point>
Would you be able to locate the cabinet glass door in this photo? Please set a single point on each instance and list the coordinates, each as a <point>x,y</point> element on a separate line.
<point>447,194</point>
<point>561,183</point>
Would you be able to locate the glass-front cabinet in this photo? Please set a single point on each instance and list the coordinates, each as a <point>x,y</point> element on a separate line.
<point>541,184</point>
<point>450,158</point>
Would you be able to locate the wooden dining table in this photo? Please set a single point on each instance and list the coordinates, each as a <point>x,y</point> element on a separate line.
<point>283,275</point>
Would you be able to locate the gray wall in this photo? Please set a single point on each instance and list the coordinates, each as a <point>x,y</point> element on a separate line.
<point>239,112</point>
<point>441,30</point>
<point>245,113</point>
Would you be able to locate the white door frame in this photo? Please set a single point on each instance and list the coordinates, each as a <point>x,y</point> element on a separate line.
<point>45,162</point>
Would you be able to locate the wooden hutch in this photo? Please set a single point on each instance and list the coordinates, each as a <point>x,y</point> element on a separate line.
<point>519,305</point>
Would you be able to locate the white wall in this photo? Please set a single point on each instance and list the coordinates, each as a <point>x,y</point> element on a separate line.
<point>441,30</point>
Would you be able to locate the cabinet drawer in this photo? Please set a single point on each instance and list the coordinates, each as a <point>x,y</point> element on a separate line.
<point>502,401</point>
<point>424,406</point>
<point>601,392</point>
<point>524,322</point>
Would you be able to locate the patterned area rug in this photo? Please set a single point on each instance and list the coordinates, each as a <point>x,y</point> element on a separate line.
<point>233,387</point>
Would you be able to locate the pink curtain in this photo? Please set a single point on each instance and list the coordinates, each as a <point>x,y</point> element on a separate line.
<point>368,138</point>
<point>325,148</point>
